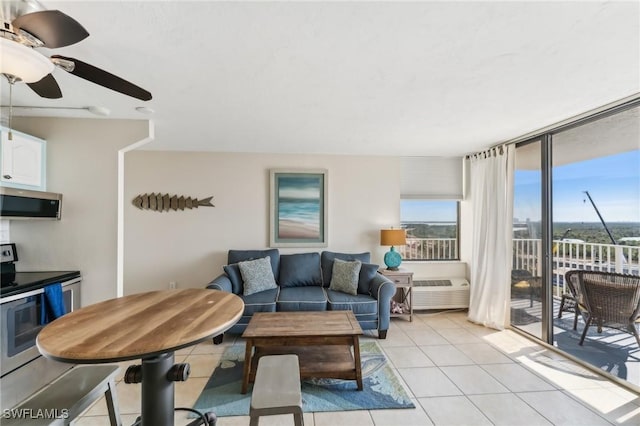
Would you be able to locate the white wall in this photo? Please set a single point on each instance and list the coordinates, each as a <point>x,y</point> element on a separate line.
<point>5,231</point>
<point>82,164</point>
<point>190,247</point>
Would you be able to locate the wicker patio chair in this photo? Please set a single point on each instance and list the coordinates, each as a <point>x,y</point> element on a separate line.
<point>572,301</point>
<point>611,300</point>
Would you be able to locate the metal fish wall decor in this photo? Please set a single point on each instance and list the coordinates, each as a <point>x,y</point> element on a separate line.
<point>159,203</point>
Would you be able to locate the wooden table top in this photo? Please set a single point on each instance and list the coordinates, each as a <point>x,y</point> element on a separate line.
<point>320,323</point>
<point>139,325</point>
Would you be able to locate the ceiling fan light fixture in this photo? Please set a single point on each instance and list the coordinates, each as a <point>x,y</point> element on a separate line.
<point>144,110</point>
<point>98,110</point>
<point>23,62</point>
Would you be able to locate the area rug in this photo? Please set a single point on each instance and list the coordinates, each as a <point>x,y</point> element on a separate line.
<point>382,387</point>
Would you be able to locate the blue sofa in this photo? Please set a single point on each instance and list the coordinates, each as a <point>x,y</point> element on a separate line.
<point>303,281</point>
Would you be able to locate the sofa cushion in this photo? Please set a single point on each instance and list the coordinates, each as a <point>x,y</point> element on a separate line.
<point>235,256</point>
<point>368,272</point>
<point>233,272</point>
<point>360,304</point>
<point>257,275</point>
<point>327,257</point>
<point>309,298</point>
<point>344,276</point>
<point>299,270</point>
<point>263,301</point>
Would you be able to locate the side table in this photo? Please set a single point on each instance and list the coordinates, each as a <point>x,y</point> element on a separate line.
<point>403,280</point>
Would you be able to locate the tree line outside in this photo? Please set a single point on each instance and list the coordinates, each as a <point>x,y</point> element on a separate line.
<point>589,232</point>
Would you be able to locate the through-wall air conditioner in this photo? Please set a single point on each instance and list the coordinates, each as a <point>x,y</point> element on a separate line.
<point>441,293</point>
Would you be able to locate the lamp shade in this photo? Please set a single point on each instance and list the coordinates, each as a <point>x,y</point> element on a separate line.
<point>393,237</point>
<point>23,62</point>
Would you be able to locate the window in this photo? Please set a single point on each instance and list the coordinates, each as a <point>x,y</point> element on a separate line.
<point>432,229</point>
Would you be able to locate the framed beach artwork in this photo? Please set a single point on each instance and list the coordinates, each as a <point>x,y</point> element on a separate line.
<point>298,208</point>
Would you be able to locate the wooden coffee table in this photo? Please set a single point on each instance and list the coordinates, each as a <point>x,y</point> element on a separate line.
<point>322,340</point>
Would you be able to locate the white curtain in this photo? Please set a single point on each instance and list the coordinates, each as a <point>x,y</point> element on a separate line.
<point>491,175</point>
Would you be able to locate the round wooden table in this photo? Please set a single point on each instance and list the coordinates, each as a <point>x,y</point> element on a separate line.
<point>148,326</point>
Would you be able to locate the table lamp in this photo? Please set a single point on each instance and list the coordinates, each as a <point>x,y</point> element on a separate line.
<point>393,237</point>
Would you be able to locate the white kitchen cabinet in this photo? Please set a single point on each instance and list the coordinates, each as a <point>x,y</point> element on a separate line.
<point>23,161</point>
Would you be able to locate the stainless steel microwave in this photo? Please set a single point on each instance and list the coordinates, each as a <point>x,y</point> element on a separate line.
<point>25,204</point>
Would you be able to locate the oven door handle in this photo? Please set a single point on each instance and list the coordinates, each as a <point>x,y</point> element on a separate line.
<point>23,295</point>
<point>37,291</point>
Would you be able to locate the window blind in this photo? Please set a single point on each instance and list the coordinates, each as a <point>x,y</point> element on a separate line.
<point>436,178</point>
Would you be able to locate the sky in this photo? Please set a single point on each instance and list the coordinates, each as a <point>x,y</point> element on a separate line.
<point>613,183</point>
<point>428,211</point>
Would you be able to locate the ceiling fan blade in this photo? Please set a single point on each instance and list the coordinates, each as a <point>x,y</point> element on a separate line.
<point>47,87</point>
<point>52,27</point>
<point>104,79</point>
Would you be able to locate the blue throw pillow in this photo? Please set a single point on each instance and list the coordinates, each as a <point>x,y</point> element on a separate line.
<point>367,272</point>
<point>233,272</point>
<point>327,257</point>
<point>300,270</point>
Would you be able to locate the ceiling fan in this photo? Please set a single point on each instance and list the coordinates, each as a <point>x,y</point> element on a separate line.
<point>27,25</point>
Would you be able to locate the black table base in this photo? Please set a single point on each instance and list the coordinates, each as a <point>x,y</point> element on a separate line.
<point>157,375</point>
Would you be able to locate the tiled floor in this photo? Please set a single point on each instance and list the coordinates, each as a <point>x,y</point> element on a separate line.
<point>459,374</point>
<point>612,350</point>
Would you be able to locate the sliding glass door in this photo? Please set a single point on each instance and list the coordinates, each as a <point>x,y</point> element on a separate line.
<point>577,207</point>
<point>526,273</point>
<point>596,227</point>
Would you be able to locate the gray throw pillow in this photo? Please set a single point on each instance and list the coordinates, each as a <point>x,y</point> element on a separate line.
<point>257,275</point>
<point>344,276</point>
<point>327,258</point>
<point>236,256</point>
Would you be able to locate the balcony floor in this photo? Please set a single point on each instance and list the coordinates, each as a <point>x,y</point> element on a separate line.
<point>613,351</point>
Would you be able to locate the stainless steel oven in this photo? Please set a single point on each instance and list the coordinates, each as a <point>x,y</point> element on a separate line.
<point>23,371</point>
<point>21,322</point>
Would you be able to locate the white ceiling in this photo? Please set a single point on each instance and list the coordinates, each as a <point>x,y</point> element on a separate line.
<point>380,78</point>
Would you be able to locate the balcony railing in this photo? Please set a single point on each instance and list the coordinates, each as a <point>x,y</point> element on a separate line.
<point>430,249</point>
<point>527,256</point>
<point>575,255</point>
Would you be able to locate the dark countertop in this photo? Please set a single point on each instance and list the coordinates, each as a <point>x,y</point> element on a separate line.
<point>27,281</point>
